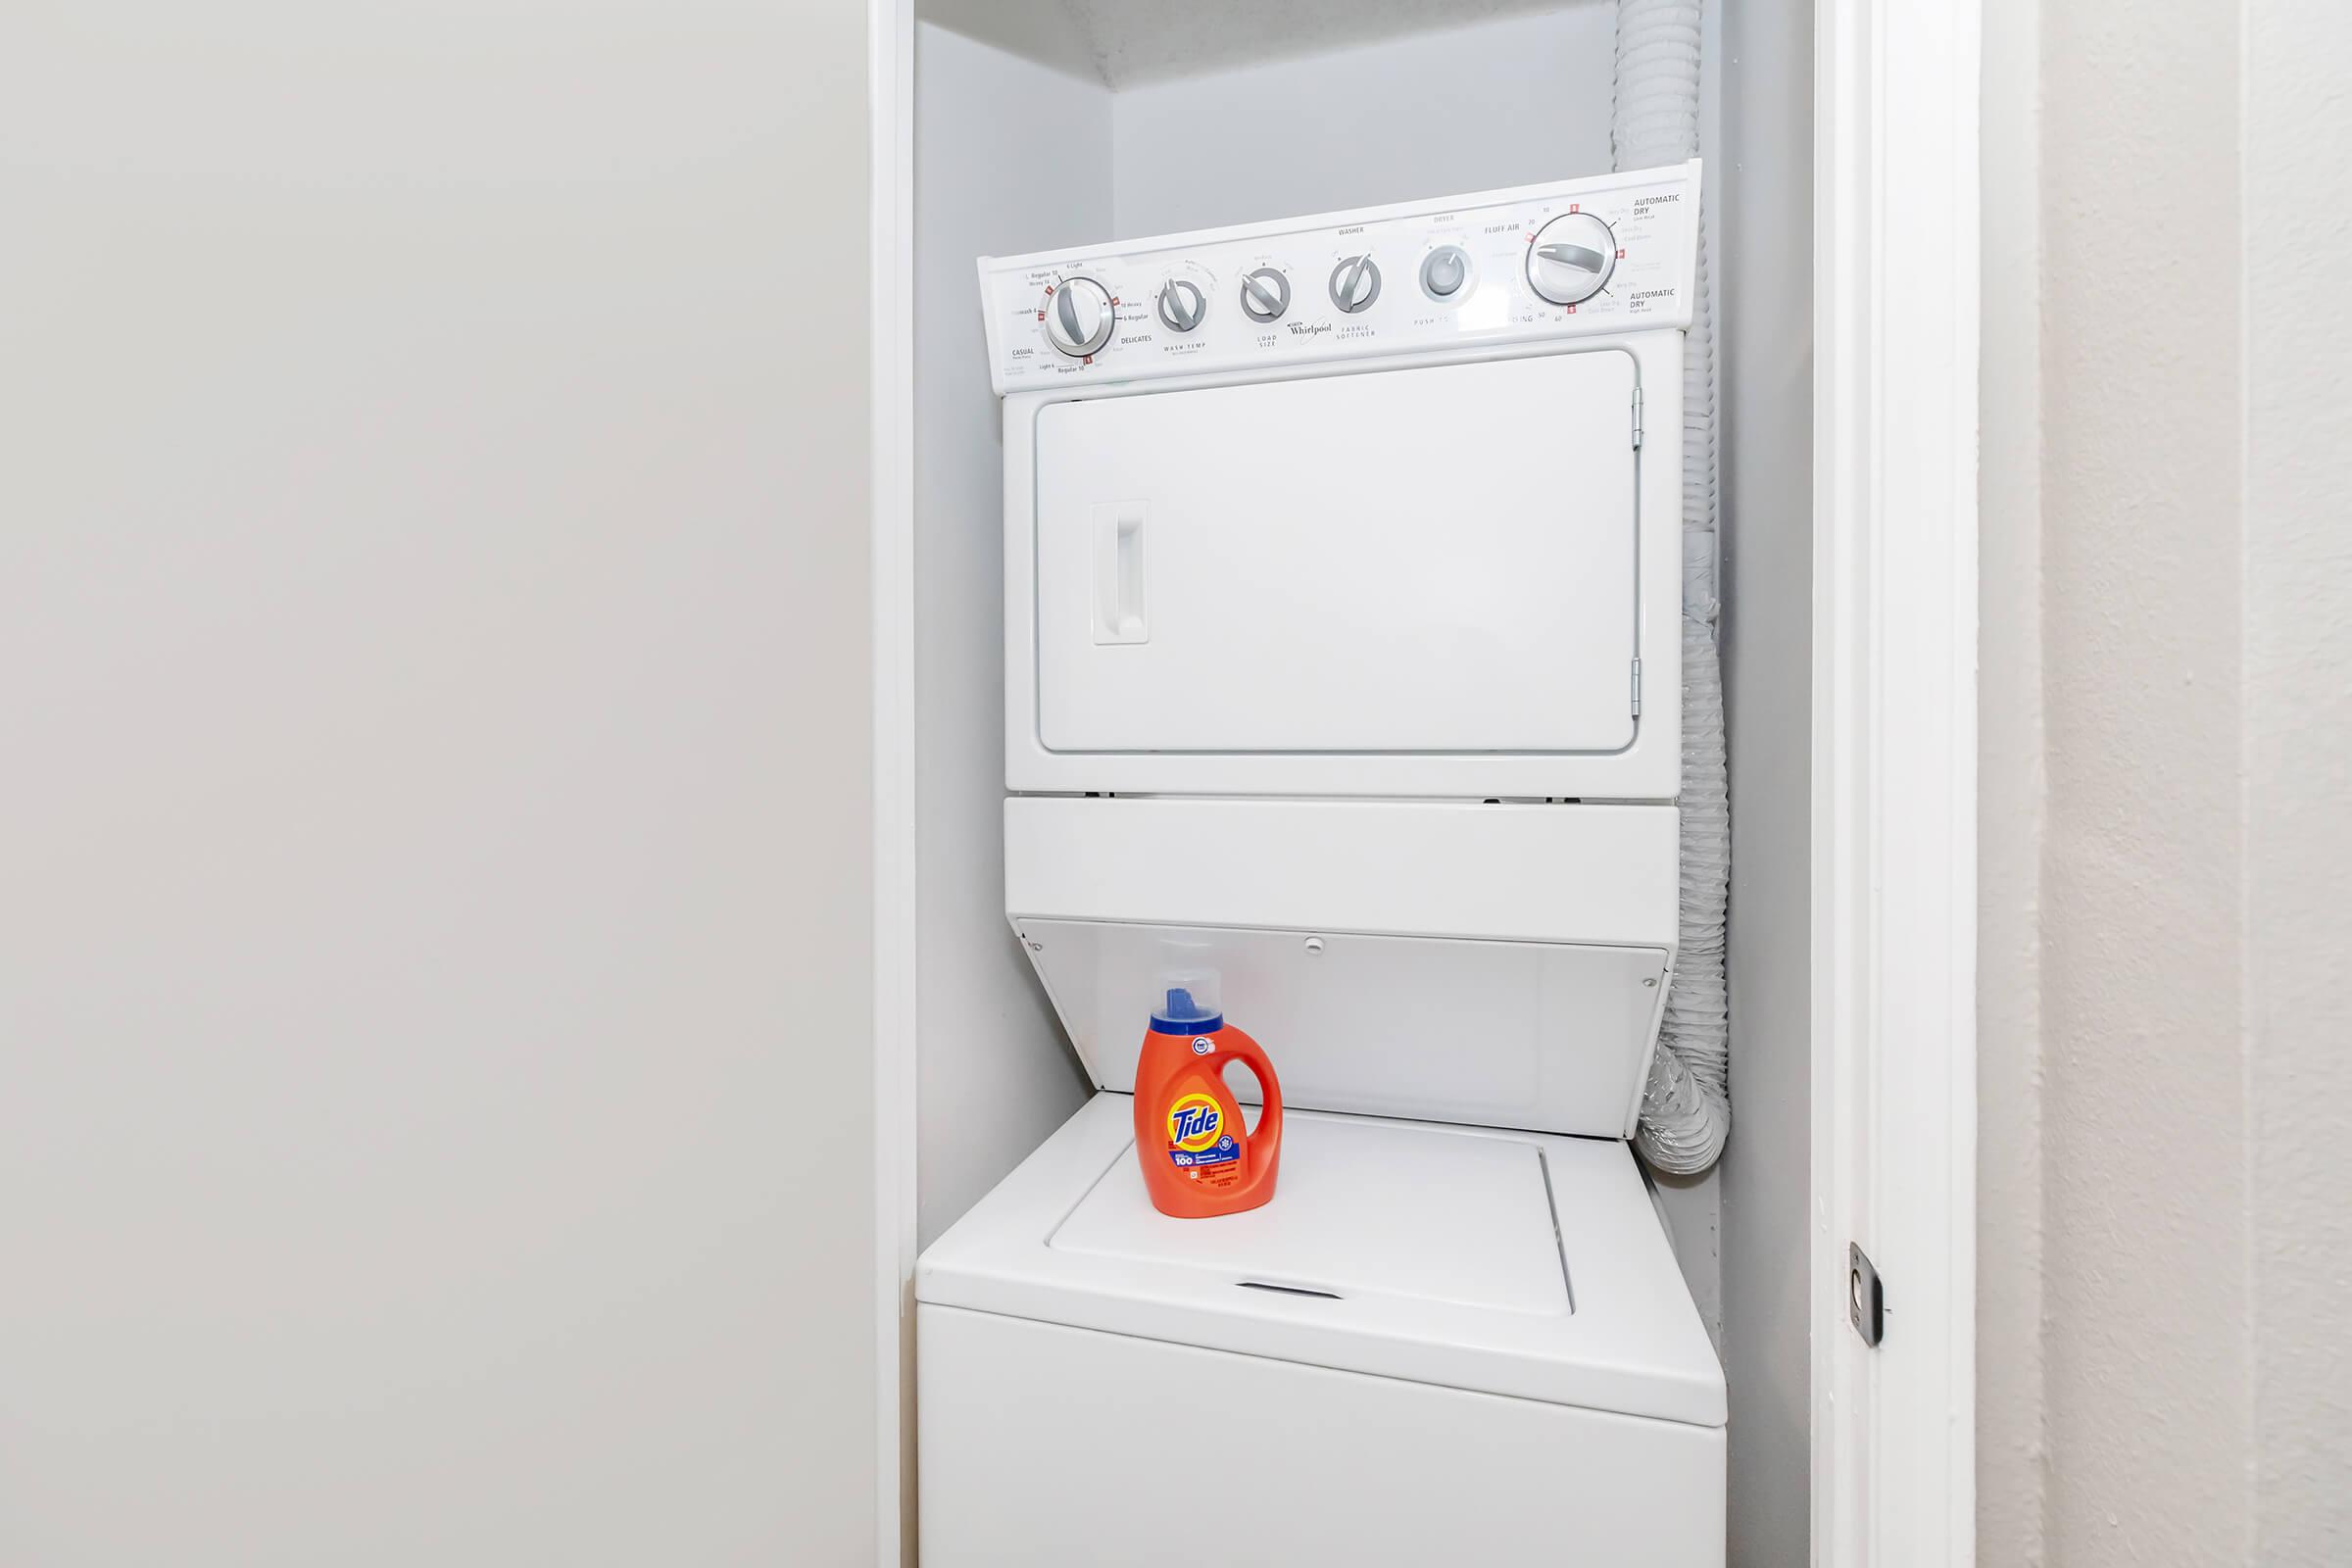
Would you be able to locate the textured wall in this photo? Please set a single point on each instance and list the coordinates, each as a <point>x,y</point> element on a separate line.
<point>434,854</point>
<point>2297,760</point>
<point>2185,1395</point>
<point>2010,789</point>
<point>2144,1101</point>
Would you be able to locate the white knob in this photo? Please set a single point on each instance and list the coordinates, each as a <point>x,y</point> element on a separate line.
<point>1266,294</point>
<point>1354,282</point>
<point>1571,257</point>
<point>1444,272</point>
<point>1079,318</point>
<point>1182,305</point>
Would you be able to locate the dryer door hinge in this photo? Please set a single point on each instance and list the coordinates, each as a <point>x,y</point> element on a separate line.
<point>1637,688</point>
<point>1636,417</point>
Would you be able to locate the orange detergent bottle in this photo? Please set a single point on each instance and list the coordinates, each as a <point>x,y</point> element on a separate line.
<point>1200,1161</point>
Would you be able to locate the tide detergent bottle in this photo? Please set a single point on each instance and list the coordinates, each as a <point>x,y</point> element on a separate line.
<point>1200,1161</point>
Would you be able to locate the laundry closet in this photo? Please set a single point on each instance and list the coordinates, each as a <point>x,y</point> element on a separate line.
<point>1438,875</point>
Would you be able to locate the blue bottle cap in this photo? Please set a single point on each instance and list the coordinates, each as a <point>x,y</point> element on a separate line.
<point>1182,1015</point>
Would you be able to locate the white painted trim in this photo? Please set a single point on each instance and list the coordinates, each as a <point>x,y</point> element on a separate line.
<point>890,67</point>
<point>1895,300</point>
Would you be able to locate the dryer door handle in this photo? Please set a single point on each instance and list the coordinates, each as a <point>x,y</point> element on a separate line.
<point>1119,611</point>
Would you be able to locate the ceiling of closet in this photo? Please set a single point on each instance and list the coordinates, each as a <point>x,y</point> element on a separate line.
<point>1125,42</point>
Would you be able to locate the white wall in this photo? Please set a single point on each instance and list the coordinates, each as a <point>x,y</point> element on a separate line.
<point>1010,157</point>
<point>433,839</point>
<point>2195,586</point>
<point>2297,772</point>
<point>1764,259</point>
<point>2011,788</point>
<point>1471,107</point>
<point>2144,1101</point>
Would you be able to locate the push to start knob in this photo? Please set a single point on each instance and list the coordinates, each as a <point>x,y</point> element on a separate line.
<point>1266,294</point>
<point>1354,283</point>
<point>1571,257</point>
<point>1079,316</point>
<point>1444,272</point>
<point>1181,305</point>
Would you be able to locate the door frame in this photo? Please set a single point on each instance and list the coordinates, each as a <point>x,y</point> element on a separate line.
<point>1894,881</point>
<point>890,158</point>
<point>1895,757</point>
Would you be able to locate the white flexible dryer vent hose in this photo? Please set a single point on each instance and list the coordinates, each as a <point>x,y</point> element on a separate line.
<point>1687,1106</point>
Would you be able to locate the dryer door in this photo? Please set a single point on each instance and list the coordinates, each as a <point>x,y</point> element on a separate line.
<point>1434,560</point>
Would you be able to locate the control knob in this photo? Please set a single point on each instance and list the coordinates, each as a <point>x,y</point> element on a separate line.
<point>1444,272</point>
<point>1182,305</point>
<point>1079,316</point>
<point>1266,294</point>
<point>1354,283</point>
<point>1571,257</point>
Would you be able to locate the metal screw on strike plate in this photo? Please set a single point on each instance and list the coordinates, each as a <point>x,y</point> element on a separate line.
<point>1037,946</point>
<point>1652,981</point>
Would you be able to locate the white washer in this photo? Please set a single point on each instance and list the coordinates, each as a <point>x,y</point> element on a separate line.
<point>1342,577</point>
<point>1436,1344</point>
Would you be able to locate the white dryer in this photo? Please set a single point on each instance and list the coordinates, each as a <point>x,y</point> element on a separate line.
<point>1343,585</point>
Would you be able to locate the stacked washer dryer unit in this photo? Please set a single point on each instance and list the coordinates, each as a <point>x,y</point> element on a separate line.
<point>1342,609</point>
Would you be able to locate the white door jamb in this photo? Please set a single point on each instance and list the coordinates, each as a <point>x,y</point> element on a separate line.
<point>890,70</point>
<point>1895,642</point>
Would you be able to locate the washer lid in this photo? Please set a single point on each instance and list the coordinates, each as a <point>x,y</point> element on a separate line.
<point>1362,1208</point>
<point>1511,1263</point>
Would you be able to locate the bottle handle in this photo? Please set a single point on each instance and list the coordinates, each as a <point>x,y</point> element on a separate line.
<point>1265,1141</point>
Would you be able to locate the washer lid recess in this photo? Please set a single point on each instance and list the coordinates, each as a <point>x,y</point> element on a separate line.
<point>1511,1263</point>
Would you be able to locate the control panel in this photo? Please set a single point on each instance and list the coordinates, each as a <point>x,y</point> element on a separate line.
<point>1614,253</point>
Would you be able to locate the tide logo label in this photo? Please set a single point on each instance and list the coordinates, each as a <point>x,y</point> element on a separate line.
<point>1193,1122</point>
